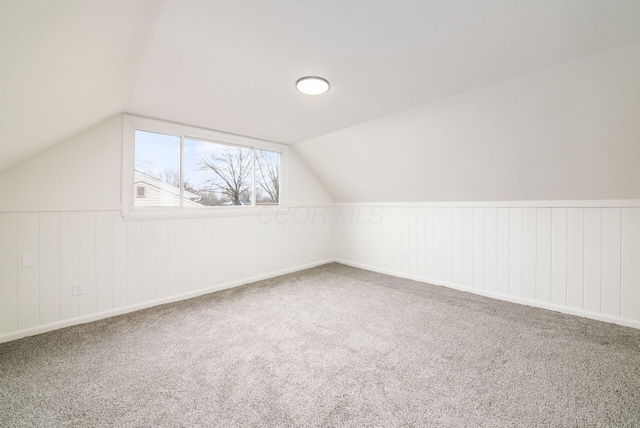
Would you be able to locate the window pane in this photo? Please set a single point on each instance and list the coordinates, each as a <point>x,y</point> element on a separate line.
<point>217,174</point>
<point>267,177</point>
<point>156,181</point>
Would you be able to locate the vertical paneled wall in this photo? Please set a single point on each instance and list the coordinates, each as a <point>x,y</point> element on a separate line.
<point>580,260</point>
<point>126,264</point>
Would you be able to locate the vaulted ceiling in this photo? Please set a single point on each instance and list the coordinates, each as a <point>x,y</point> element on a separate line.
<point>64,66</point>
<point>231,65</point>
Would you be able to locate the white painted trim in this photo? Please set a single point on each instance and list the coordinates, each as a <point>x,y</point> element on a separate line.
<point>168,213</point>
<point>154,214</point>
<point>184,296</point>
<point>595,203</point>
<point>128,162</point>
<point>132,308</point>
<point>199,132</point>
<point>172,213</point>
<point>498,296</point>
<point>55,208</point>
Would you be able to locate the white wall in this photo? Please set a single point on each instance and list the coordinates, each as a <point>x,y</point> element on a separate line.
<point>127,265</point>
<point>576,258</point>
<point>82,172</point>
<point>66,65</point>
<point>85,171</point>
<point>567,139</point>
<point>565,133</point>
<point>63,207</point>
<point>570,132</point>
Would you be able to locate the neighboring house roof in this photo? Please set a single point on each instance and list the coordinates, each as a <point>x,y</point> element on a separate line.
<point>191,198</point>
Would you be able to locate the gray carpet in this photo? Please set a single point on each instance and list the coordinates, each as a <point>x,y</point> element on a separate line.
<point>329,346</point>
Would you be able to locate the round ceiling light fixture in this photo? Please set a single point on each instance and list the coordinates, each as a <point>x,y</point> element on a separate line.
<point>312,85</point>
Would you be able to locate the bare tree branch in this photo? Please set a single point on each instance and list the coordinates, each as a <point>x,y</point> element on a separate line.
<point>268,175</point>
<point>231,173</point>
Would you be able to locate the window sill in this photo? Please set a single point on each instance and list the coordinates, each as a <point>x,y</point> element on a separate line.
<point>178,213</point>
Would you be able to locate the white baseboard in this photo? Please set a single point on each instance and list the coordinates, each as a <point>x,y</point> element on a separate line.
<point>499,296</point>
<point>7,337</point>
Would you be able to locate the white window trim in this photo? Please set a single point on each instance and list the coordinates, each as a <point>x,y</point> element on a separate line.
<point>131,123</point>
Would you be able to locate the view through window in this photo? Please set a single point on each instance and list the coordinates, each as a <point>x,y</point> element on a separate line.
<point>212,174</point>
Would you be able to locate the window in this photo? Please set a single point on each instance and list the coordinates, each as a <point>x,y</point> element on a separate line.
<point>175,166</point>
<point>221,175</point>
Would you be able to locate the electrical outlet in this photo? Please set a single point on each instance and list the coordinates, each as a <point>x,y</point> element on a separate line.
<point>290,252</point>
<point>77,288</point>
<point>404,255</point>
<point>28,260</point>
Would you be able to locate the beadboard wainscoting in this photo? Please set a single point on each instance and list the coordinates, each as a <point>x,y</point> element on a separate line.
<point>577,258</point>
<point>129,265</point>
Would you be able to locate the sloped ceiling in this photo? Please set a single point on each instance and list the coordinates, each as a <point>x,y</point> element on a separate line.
<point>231,65</point>
<point>564,133</point>
<point>64,66</point>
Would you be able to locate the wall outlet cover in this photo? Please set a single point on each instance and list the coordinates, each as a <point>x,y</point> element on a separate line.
<point>28,260</point>
<point>77,288</point>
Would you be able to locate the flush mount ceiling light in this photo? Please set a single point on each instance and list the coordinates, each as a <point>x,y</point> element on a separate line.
<point>312,85</point>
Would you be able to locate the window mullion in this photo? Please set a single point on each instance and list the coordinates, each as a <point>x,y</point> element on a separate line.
<point>253,193</point>
<point>181,171</point>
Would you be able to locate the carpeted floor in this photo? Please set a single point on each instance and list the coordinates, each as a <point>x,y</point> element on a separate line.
<point>329,346</point>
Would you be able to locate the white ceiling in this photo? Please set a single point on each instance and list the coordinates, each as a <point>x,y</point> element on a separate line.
<point>231,65</point>
<point>64,66</point>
